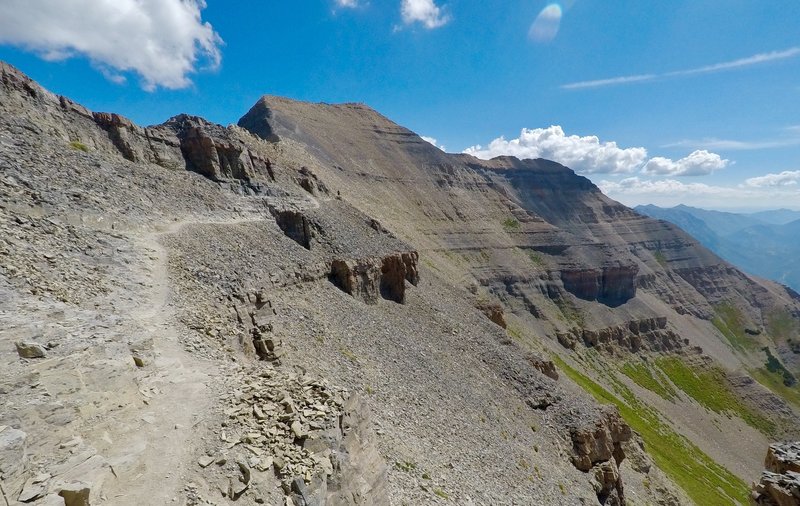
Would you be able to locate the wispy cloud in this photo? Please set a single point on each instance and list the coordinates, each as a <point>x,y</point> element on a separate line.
<point>706,69</point>
<point>742,62</point>
<point>790,137</point>
<point>733,145</point>
<point>609,82</point>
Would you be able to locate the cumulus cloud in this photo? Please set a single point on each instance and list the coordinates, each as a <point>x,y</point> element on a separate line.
<point>583,154</point>
<point>425,12</point>
<point>785,178</point>
<point>698,163</point>
<point>164,41</point>
<point>431,140</point>
<point>546,25</point>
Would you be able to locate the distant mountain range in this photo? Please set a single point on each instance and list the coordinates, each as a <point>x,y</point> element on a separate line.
<point>765,244</point>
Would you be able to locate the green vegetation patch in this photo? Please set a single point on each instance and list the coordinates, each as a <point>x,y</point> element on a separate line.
<point>774,382</point>
<point>405,466</point>
<point>570,313</point>
<point>731,323</point>
<point>705,481</point>
<point>775,366</point>
<point>782,325</point>
<point>511,224</point>
<point>710,388</point>
<point>79,146</point>
<point>536,258</point>
<point>660,258</point>
<point>645,377</point>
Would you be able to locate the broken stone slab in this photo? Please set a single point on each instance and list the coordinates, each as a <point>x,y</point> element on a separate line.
<point>297,430</point>
<point>205,461</point>
<point>236,488</point>
<point>51,500</point>
<point>12,452</point>
<point>31,491</point>
<point>29,349</point>
<point>244,468</point>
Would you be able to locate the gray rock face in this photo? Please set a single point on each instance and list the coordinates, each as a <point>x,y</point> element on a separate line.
<point>12,452</point>
<point>611,285</point>
<point>598,450</point>
<point>651,334</point>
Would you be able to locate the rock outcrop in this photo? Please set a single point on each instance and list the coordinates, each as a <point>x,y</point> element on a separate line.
<point>371,278</point>
<point>650,334</point>
<point>296,226</point>
<point>780,482</point>
<point>494,312</point>
<point>597,449</point>
<point>610,285</point>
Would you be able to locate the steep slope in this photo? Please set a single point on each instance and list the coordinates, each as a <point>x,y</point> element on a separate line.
<point>192,314</point>
<point>577,272</point>
<point>765,249</point>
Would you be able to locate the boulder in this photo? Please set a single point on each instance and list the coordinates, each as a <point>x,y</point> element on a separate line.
<point>27,349</point>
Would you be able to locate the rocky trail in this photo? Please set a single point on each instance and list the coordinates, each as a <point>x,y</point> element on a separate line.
<point>141,427</point>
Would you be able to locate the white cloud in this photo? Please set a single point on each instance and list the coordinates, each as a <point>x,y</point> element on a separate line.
<point>582,154</point>
<point>717,67</point>
<point>347,3</point>
<point>636,186</point>
<point>790,137</point>
<point>609,82</point>
<point>633,191</point>
<point>161,40</point>
<point>698,163</point>
<point>742,62</point>
<point>425,12</point>
<point>546,25</point>
<point>431,140</point>
<point>785,178</point>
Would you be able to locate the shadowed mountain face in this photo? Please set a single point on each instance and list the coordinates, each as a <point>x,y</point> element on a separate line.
<point>351,316</point>
<point>766,244</point>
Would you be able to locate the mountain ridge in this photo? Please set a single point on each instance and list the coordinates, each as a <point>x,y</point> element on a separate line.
<point>311,251</point>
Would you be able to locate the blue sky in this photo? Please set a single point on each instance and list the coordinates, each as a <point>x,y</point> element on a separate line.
<point>693,102</point>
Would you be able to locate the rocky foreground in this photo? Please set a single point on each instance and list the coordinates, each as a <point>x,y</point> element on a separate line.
<point>317,307</point>
<point>780,482</point>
